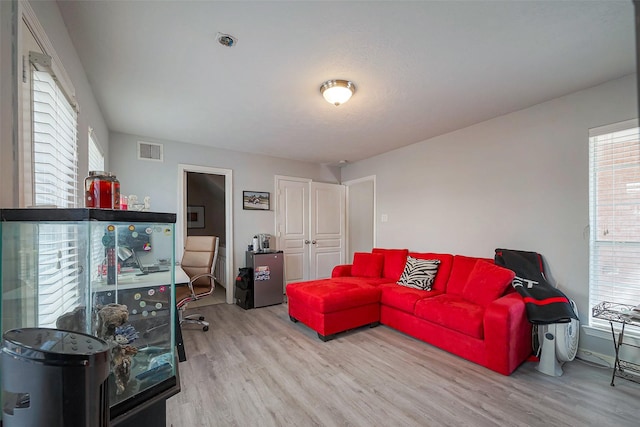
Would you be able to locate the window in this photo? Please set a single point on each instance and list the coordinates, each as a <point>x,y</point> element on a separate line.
<point>55,145</point>
<point>49,163</point>
<point>96,158</point>
<point>55,178</point>
<point>614,215</point>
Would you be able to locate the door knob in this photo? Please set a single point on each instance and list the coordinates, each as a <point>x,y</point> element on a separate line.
<point>306,242</point>
<point>313,242</point>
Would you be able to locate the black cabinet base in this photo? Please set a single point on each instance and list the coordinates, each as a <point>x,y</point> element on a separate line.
<point>154,415</point>
<point>150,411</point>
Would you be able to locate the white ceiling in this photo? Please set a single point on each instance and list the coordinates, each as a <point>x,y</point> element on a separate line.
<point>421,68</point>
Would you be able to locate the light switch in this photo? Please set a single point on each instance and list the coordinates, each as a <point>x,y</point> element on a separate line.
<point>384,218</point>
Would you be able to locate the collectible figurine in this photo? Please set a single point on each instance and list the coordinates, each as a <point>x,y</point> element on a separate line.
<point>73,321</point>
<point>109,318</point>
<point>121,365</point>
<point>109,327</point>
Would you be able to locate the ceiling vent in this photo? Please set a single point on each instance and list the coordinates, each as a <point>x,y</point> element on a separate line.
<point>150,151</point>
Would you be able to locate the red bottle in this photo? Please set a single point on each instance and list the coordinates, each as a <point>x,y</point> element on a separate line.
<point>115,190</point>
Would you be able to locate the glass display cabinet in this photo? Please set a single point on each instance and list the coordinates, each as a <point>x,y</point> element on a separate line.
<point>107,273</point>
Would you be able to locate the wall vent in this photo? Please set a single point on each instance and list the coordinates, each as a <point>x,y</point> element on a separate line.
<point>150,151</point>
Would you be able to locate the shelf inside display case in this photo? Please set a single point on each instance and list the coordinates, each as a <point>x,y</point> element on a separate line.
<point>107,273</point>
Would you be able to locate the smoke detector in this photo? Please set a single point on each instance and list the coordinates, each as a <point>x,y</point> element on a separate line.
<point>226,39</point>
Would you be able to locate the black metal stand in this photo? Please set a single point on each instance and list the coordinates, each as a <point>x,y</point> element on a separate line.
<point>621,314</point>
<point>182,355</point>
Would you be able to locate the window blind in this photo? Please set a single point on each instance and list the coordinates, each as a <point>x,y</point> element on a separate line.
<point>55,177</point>
<point>96,158</point>
<point>614,215</point>
<point>55,158</point>
<point>58,283</point>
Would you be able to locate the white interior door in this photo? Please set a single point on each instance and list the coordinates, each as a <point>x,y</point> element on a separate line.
<point>328,212</point>
<point>292,227</point>
<point>310,227</point>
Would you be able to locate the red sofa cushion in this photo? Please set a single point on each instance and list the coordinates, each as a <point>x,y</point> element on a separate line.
<point>453,312</point>
<point>460,270</point>
<point>444,269</point>
<point>394,261</point>
<point>402,297</point>
<point>341,270</point>
<point>367,264</point>
<point>486,283</point>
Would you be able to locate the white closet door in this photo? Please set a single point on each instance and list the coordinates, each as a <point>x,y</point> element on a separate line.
<point>310,227</point>
<point>328,211</point>
<point>292,228</point>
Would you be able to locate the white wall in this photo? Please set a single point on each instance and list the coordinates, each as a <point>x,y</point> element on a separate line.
<point>90,115</point>
<point>519,181</point>
<point>250,172</point>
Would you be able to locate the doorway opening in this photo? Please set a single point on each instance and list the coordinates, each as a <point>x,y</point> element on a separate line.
<point>205,208</point>
<point>361,215</point>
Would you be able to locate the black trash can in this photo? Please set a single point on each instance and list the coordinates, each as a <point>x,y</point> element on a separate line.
<point>54,378</point>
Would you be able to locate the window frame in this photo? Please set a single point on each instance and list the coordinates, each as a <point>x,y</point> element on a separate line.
<point>619,238</point>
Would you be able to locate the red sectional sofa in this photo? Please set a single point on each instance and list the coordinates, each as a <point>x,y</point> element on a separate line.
<point>470,310</point>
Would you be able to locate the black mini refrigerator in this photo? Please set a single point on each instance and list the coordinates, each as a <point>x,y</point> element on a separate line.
<point>268,277</point>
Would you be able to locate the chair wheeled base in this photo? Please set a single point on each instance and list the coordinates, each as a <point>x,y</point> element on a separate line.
<point>196,319</point>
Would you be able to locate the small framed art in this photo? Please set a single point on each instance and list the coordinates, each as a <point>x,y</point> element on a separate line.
<point>195,216</point>
<point>255,200</point>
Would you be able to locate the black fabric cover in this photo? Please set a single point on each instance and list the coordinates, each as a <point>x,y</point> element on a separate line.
<point>245,278</point>
<point>244,288</point>
<point>545,304</point>
<point>244,298</point>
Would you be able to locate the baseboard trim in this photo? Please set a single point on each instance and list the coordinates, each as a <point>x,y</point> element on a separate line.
<point>595,358</point>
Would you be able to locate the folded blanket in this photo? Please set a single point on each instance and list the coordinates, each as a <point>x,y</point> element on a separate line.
<point>545,304</point>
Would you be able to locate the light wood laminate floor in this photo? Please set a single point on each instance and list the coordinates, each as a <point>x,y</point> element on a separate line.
<point>257,368</point>
<point>217,297</point>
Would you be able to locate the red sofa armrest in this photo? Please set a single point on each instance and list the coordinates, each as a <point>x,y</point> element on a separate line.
<point>507,333</point>
<point>341,271</point>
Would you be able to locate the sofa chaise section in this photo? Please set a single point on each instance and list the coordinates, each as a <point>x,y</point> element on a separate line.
<point>330,306</point>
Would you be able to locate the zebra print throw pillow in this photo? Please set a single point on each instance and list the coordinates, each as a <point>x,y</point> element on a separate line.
<point>419,273</point>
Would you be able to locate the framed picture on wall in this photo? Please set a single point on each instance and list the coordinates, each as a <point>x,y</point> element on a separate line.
<point>195,216</point>
<point>255,200</point>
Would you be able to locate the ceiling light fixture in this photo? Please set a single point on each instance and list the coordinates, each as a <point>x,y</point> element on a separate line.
<point>337,92</point>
